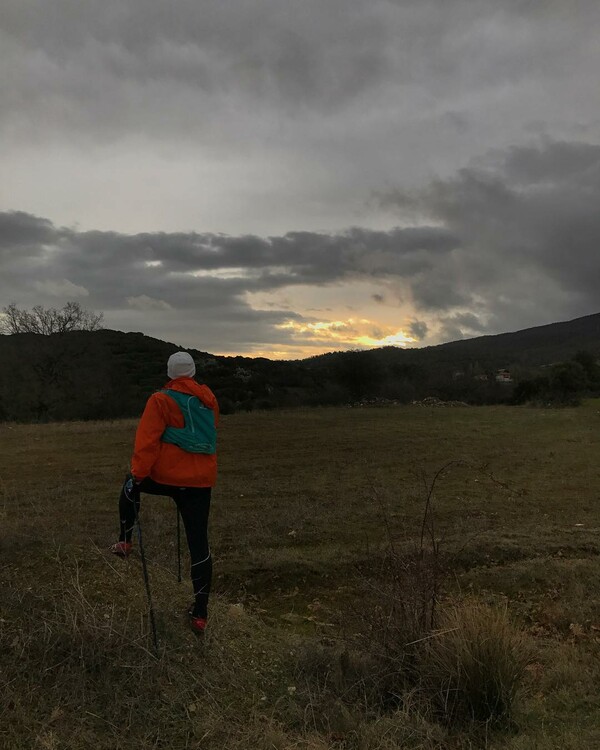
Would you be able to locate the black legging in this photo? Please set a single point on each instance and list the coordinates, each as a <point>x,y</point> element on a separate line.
<point>194,506</point>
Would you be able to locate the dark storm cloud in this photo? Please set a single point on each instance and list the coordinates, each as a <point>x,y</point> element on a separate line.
<point>267,116</point>
<point>460,326</point>
<point>160,279</point>
<point>19,229</point>
<point>152,66</point>
<point>418,329</point>
<point>102,66</point>
<point>513,241</point>
<point>528,226</point>
<point>219,264</point>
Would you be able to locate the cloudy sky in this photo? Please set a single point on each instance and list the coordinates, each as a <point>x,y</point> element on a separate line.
<point>286,177</point>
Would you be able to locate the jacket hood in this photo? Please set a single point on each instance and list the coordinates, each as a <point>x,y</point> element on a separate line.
<point>189,385</point>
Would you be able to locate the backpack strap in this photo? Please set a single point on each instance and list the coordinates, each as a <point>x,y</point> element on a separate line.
<point>199,435</point>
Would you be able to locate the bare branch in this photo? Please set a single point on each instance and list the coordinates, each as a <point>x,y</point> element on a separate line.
<point>49,320</point>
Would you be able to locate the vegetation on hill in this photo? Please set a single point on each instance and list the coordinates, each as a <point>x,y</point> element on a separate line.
<point>562,383</point>
<point>104,374</point>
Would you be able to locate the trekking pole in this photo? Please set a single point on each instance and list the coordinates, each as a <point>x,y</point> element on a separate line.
<point>135,490</point>
<point>178,545</point>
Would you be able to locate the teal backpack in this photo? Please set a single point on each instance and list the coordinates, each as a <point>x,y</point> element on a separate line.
<point>199,434</point>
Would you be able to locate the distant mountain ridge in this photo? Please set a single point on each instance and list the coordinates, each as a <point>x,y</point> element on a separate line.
<point>109,374</point>
<point>540,345</point>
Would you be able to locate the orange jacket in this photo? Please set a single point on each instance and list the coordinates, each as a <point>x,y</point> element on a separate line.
<point>164,462</point>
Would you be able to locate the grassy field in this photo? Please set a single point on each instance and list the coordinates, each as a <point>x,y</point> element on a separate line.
<point>316,526</point>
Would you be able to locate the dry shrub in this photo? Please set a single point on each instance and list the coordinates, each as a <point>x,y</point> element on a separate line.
<point>472,667</point>
<point>78,671</point>
<point>403,593</point>
<point>379,694</point>
<point>403,600</point>
<point>347,673</point>
<point>408,727</point>
<point>400,607</point>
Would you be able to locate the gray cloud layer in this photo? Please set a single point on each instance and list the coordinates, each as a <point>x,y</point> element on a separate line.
<point>512,241</point>
<point>529,230</point>
<point>245,120</point>
<point>275,115</point>
<point>198,281</point>
<point>302,55</point>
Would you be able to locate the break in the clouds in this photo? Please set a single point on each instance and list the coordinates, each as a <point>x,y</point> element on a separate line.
<point>262,176</point>
<point>218,292</point>
<point>512,240</point>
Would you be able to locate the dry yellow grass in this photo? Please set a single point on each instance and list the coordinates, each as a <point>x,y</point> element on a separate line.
<point>307,504</point>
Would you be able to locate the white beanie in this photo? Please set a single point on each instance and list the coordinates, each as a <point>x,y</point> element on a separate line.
<point>180,365</point>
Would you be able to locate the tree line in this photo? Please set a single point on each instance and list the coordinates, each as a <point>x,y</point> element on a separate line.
<point>61,365</point>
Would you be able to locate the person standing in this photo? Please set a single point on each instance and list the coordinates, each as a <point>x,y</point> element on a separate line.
<point>175,455</point>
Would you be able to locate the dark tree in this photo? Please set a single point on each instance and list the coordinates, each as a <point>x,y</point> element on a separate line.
<point>359,372</point>
<point>589,362</point>
<point>49,320</point>
<point>569,378</point>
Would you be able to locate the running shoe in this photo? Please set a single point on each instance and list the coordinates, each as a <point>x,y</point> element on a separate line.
<point>122,549</point>
<point>197,624</point>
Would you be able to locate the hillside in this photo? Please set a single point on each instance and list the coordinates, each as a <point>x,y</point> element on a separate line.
<point>531,347</point>
<point>109,374</point>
